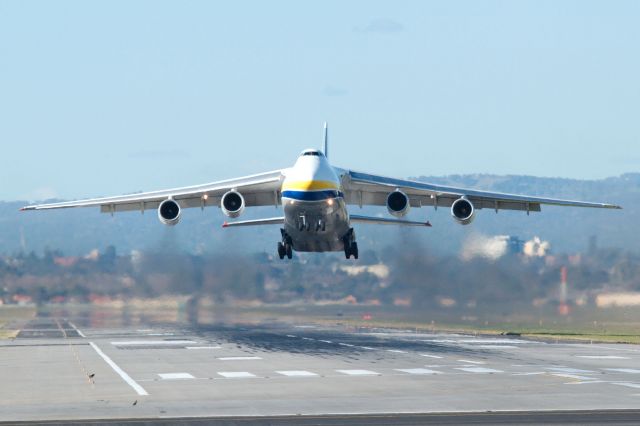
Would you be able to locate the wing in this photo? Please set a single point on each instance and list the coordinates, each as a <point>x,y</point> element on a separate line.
<point>258,190</point>
<point>367,189</point>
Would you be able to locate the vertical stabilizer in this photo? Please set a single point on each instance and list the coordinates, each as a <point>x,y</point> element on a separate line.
<point>326,140</point>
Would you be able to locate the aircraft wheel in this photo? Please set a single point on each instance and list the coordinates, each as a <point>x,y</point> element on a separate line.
<point>281,250</point>
<point>289,251</point>
<point>354,250</point>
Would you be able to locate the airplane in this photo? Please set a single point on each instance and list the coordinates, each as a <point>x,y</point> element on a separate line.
<point>314,196</point>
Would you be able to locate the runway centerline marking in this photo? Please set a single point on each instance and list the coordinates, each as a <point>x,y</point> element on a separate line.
<point>573,376</point>
<point>569,370</point>
<point>468,361</point>
<point>80,333</point>
<point>139,389</point>
<point>359,372</point>
<point>236,374</point>
<point>417,371</point>
<point>175,376</point>
<point>497,347</point>
<point>481,370</point>
<point>624,370</point>
<point>154,342</point>
<point>238,358</point>
<point>297,373</point>
<point>602,357</point>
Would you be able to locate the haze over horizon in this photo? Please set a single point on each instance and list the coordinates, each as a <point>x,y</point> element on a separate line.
<point>95,101</point>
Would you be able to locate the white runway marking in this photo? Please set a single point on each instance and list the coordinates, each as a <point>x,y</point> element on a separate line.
<point>291,335</point>
<point>624,370</point>
<point>358,372</point>
<point>139,389</point>
<point>431,356</point>
<point>297,373</point>
<point>468,361</point>
<point>629,385</point>
<point>238,358</point>
<point>534,373</point>
<point>154,342</point>
<point>236,374</point>
<point>569,370</point>
<point>602,357</point>
<point>496,347</point>
<point>489,341</point>
<point>204,347</point>
<point>80,333</point>
<point>368,348</point>
<point>325,341</point>
<point>159,334</point>
<point>308,338</point>
<point>346,344</point>
<point>418,371</point>
<point>572,376</point>
<point>396,351</point>
<point>481,370</point>
<point>175,376</point>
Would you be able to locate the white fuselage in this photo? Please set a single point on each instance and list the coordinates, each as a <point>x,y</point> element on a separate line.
<point>316,217</point>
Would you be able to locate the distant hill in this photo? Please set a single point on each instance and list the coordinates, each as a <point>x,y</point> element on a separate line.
<point>77,231</point>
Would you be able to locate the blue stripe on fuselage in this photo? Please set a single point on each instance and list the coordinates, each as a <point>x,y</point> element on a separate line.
<point>312,195</point>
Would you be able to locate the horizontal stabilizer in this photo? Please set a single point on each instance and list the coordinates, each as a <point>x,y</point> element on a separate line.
<point>385,221</point>
<point>256,222</point>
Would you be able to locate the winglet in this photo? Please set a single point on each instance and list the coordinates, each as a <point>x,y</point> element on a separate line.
<point>225,225</point>
<point>428,224</point>
<point>326,140</point>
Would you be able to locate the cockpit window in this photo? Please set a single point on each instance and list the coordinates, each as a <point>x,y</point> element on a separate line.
<point>314,153</point>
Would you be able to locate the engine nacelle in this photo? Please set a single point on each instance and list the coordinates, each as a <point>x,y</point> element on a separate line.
<point>462,211</point>
<point>169,212</point>
<point>398,203</point>
<point>232,204</point>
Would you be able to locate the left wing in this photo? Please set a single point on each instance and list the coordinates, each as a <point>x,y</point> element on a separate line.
<point>367,189</point>
<point>258,190</point>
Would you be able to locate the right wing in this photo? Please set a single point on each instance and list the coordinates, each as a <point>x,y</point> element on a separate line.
<point>258,190</point>
<point>368,189</point>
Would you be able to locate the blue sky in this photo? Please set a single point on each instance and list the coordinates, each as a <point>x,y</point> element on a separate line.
<point>110,97</point>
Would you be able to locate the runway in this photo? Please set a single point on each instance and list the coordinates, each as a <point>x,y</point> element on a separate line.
<point>65,369</point>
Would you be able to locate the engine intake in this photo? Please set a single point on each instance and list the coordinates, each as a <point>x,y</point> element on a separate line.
<point>398,203</point>
<point>232,204</point>
<point>462,211</point>
<point>169,212</point>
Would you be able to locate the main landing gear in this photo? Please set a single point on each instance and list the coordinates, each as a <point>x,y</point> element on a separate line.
<point>285,246</point>
<point>350,245</point>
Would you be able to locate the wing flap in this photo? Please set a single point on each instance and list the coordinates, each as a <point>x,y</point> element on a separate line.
<point>385,221</point>
<point>255,222</point>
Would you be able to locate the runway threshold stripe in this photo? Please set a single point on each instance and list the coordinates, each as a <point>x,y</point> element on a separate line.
<point>139,389</point>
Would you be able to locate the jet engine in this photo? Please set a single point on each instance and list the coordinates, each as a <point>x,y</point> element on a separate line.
<point>398,203</point>
<point>169,212</point>
<point>232,204</point>
<point>462,211</point>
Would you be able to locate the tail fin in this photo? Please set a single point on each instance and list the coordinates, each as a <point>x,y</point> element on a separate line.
<point>326,140</point>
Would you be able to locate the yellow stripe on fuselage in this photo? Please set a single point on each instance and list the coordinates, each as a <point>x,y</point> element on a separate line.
<point>309,185</point>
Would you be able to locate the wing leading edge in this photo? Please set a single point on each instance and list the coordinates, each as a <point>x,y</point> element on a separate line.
<point>368,189</point>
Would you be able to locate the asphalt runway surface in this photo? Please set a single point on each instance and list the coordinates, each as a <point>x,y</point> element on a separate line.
<point>275,373</point>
